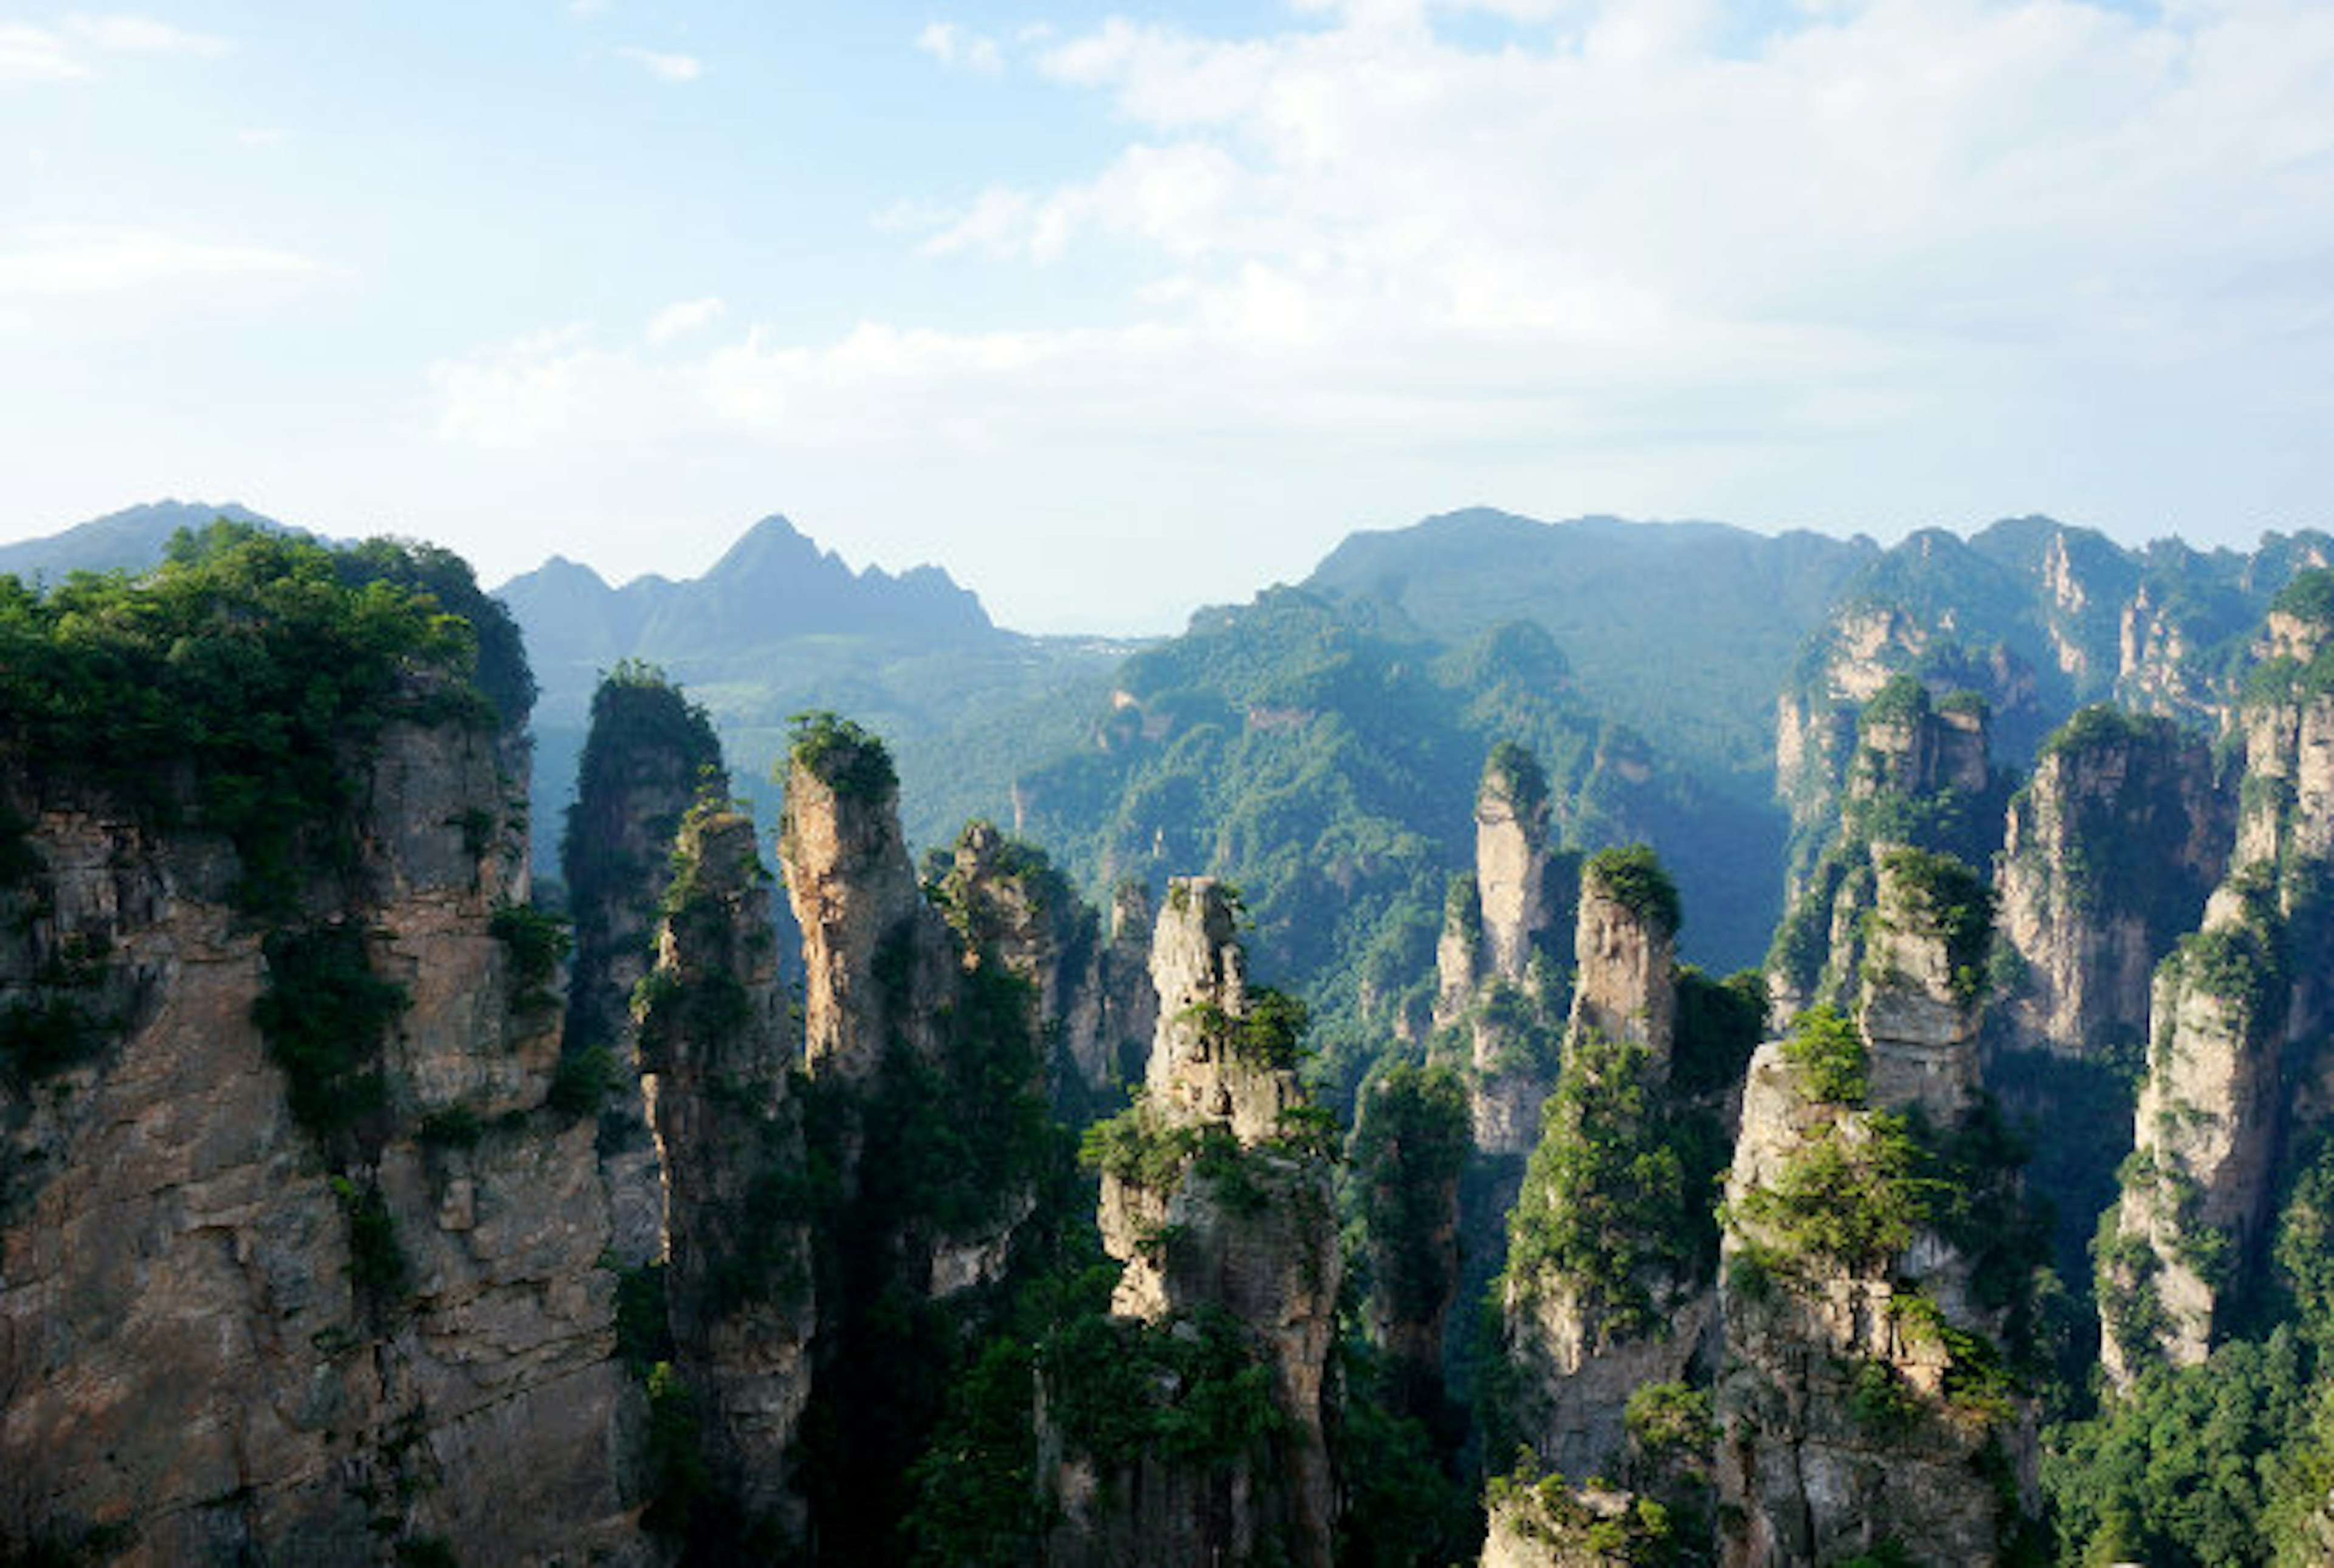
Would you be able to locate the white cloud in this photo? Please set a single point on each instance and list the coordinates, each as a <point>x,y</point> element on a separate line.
<point>69,51</point>
<point>1982,254</point>
<point>957,46</point>
<point>665,67</point>
<point>30,54</point>
<point>127,34</point>
<point>55,262</point>
<point>681,319</point>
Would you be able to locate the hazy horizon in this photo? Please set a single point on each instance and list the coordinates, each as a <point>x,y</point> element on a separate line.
<point>1118,315</point>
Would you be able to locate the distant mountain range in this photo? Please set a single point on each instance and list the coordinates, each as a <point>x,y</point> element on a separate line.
<point>772,586</point>
<point>128,540</point>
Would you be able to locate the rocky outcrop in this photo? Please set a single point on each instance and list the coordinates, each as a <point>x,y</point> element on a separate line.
<point>1216,1202</point>
<point>2112,849</point>
<point>715,1040</point>
<point>876,956</point>
<point>1869,655</point>
<point>1512,819</point>
<point>648,751</point>
<point>1497,993</point>
<point>1550,1526</point>
<point>1624,953</point>
<point>1609,1275</point>
<point>2233,1008</point>
<point>1864,1399</point>
<point>1919,776</point>
<point>1006,896</point>
<point>265,1302</point>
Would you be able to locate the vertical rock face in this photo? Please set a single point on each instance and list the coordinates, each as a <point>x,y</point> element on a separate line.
<point>1625,948</point>
<point>1222,1213</point>
<point>1199,969</point>
<point>1606,1287</point>
<point>1113,1015</point>
<point>715,1039</point>
<point>2197,1191</point>
<point>1494,986</point>
<point>1006,896</point>
<point>1862,1400</point>
<point>1923,973</point>
<point>1511,817</point>
<point>215,1341</point>
<point>649,750</point>
<point>869,940</point>
<point>1919,771</point>
<point>2232,1005</point>
<point>2111,851</point>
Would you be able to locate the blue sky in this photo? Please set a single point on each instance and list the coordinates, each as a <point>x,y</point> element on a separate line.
<point>1115,311</point>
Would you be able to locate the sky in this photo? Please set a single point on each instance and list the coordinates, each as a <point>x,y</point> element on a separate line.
<point>1116,311</point>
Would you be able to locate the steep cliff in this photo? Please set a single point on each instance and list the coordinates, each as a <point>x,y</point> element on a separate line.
<point>2233,1080</point>
<point>925,1110</point>
<point>1611,1251</point>
<point>877,957</point>
<point>1499,992</point>
<point>295,1263</point>
<point>1919,776</point>
<point>1877,1260</point>
<point>2111,851</point>
<point>648,751</point>
<point>1094,995</point>
<point>1216,1202</point>
<point>718,1053</point>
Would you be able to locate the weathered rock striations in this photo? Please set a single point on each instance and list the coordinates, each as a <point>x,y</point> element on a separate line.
<point>1624,956</point>
<point>716,1042</point>
<point>1863,1400</point>
<point>877,956</point>
<point>1006,896</point>
<point>2236,1009</point>
<point>1919,776</point>
<point>225,1333</point>
<point>2111,851</point>
<point>1611,1251</point>
<point>1217,1203</point>
<point>648,752</point>
<point>1496,988</point>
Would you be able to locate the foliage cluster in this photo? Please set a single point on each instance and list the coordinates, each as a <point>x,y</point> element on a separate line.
<point>234,679</point>
<point>1850,1198</point>
<point>1410,1142</point>
<point>646,737</point>
<point>1830,1054</point>
<point>1719,1025</point>
<point>323,1015</point>
<point>1269,1035</point>
<point>1618,1198</point>
<point>1516,774</point>
<point>849,760</point>
<point>377,1264</point>
<point>537,942</point>
<point>1632,877</point>
<point>1952,903</point>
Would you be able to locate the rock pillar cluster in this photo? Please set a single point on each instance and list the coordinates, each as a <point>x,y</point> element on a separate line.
<point>1216,1201</point>
<point>1865,1400</point>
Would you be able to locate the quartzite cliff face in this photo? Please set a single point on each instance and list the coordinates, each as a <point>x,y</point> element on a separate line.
<point>1221,1214</point>
<point>218,1338</point>
<point>1862,1400</point>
